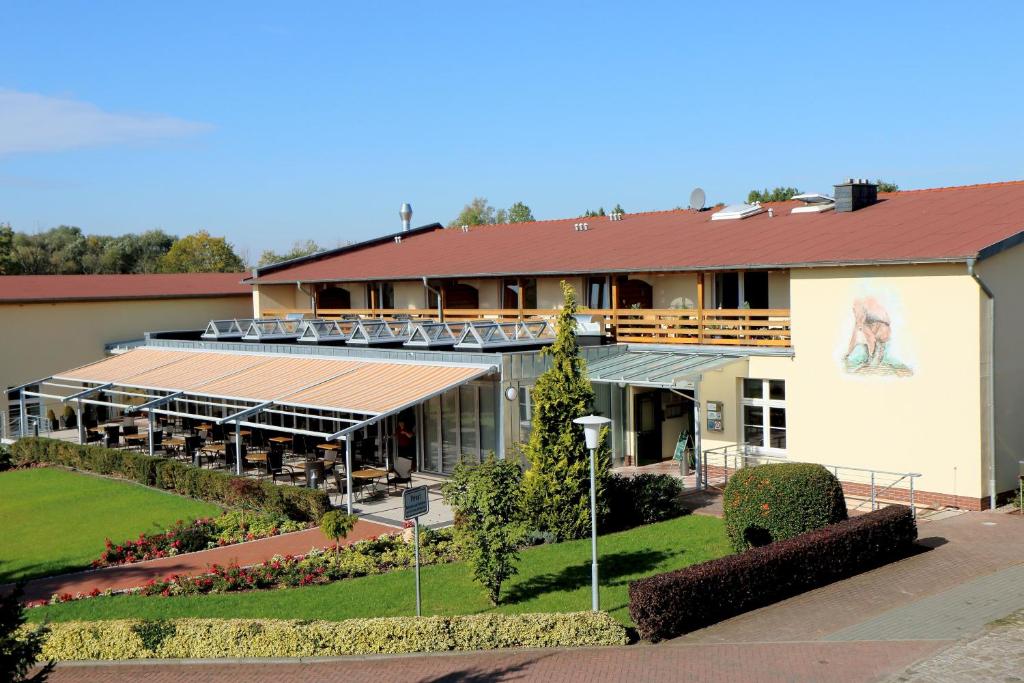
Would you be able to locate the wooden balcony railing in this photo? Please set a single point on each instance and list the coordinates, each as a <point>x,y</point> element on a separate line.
<point>712,326</point>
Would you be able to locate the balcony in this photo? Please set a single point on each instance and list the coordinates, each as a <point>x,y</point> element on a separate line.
<point>711,326</point>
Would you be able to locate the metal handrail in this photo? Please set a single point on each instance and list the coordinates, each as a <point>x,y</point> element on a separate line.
<point>879,481</point>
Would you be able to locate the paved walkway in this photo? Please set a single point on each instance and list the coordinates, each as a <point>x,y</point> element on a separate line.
<point>789,663</point>
<point>996,655</point>
<point>251,552</point>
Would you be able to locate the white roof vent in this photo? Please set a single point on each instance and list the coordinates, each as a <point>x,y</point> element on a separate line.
<point>814,202</point>
<point>735,212</point>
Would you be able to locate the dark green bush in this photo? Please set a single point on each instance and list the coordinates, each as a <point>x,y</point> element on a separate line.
<point>6,462</point>
<point>773,502</point>
<point>216,486</point>
<point>643,499</point>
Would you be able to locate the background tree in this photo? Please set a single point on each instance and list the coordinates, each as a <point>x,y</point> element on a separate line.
<point>883,186</point>
<point>590,213</point>
<point>489,513</point>
<point>520,213</point>
<point>19,652</point>
<point>6,249</point>
<point>618,209</point>
<point>557,485</point>
<point>477,212</point>
<point>201,253</point>
<point>779,194</point>
<point>299,249</point>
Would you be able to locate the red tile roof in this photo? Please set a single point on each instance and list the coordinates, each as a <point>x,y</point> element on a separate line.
<point>46,288</point>
<point>944,224</point>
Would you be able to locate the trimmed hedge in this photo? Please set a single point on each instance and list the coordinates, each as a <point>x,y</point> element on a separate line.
<point>642,499</point>
<point>215,486</point>
<point>774,502</point>
<point>674,603</point>
<point>214,638</point>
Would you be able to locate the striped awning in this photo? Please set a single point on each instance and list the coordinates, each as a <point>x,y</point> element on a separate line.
<point>364,386</point>
<point>665,369</point>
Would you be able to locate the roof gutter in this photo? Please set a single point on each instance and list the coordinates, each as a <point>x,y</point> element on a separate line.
<point>989,397</point>
<point>312,298</point>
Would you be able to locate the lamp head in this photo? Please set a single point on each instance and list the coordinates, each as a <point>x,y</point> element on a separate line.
<point>592,428</point>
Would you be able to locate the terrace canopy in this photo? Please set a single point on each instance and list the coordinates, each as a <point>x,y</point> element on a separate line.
<point>317,396</point>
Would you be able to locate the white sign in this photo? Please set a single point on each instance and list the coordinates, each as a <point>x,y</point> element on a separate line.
<point>415,502</point>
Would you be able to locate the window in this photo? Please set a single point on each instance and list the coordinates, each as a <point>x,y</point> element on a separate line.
<point>763,410</point>
<point>510,296</point>
<point>598,293</point>
<point>525,413</point>
<point>746,289</point>
<point>459,426</point>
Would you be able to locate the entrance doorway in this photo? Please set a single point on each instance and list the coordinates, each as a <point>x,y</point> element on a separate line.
<point>647,419</point>
<point>662,421</point>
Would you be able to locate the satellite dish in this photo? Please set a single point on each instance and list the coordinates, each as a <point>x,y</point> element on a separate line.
<point>697,199</point>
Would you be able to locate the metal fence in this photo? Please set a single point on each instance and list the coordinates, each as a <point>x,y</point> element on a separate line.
<point>874,485</point>
<point>10,425</point>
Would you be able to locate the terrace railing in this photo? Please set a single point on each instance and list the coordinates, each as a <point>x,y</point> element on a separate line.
<point>711,326</point>
<point>870,486</point>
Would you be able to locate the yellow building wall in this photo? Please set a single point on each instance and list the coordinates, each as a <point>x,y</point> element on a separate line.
<point>277,297</point>
<point>1002,274</point>
<point>549,290</point>
<point>409,294</point>
<point>927,422</point>
<point>43,338</point>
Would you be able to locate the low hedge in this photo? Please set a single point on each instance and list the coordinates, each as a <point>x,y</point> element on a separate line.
<point>674,603</point>
<point>215,638</point>
<point>215,486</point>
<point>641,499</point>
<point>773,502</point>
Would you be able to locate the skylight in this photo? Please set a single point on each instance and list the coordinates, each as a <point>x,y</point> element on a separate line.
<point>814,202</point>
<point>735,212</point>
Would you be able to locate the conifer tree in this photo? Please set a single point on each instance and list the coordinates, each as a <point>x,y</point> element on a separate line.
<point>557,485</point>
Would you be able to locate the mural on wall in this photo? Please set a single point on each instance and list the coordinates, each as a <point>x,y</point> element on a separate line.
<point>874,345</point>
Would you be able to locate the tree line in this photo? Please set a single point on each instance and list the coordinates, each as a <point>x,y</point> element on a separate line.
<point>66,250</point>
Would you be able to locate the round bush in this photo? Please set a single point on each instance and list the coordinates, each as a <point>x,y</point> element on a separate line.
<point>772,502</point>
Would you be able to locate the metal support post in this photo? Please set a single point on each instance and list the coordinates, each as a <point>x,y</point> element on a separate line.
<point>594,601</point>
<point>913,510</point>
<point>81,426</point>
<point>874,506</point>
<point>238,448</point>
<point>23,431</point>
<point>416,541</point>
<point>348,474</point>
<point>152,417</point>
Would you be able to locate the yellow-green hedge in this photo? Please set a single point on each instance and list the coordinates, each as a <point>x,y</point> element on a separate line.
<point>214,638</point>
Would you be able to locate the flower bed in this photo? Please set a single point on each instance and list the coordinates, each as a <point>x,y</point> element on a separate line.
<point>371,556</point>
<point>234,526</point>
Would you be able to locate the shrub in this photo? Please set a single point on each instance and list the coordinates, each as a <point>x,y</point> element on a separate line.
<point>215,638</point>
<point>643,499</point>
<point>20,645</point>
<point>216,486</point>
<point>670,604</point>
<point>6,462</point>
<point>773,502</point>
<point>488,503</point>
<point>336,524</point>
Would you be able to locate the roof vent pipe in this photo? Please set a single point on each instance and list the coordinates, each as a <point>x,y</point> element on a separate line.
<point>406,214</point>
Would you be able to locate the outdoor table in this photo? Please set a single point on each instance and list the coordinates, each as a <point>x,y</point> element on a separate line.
<point>135,439</point>
<point>371,475</point>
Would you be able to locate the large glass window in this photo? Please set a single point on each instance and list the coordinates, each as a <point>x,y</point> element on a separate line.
<point>763,408</point>
<point>432,429</point>
<point>488,420</point>
<point>598,293</point>
<point>449,431</point>
<point>469,442</point>
<point>525,414</point>
<point>460,426</point>
<point>510,296</point>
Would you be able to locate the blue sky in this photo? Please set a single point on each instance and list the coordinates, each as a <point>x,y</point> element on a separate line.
<point>269,124</point>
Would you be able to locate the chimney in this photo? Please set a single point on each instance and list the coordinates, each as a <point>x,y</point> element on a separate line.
<point>854,194</point>
<point>406,213</point>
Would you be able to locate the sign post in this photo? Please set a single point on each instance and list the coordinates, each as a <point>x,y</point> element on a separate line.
<point>415,502</point>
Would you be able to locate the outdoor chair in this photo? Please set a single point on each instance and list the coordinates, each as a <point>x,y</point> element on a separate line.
<point>192,452</point>
<point>289,472</point>
<point>401,473</point>
<point>158,440</point>
<point>111,436</point>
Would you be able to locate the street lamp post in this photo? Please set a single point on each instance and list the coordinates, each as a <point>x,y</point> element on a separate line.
<point>592,431</point>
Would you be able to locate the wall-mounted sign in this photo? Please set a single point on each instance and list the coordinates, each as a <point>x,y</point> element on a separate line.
<point>715,416</point>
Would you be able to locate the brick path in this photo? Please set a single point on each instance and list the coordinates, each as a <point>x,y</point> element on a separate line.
<point>789,662</point>
<point>251,552</point>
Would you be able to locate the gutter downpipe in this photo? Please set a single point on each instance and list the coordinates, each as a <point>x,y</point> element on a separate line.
<point>440,311</point>
<point>990,420</point>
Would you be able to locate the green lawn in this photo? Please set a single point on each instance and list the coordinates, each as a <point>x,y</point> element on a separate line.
<point>552,578</point>
<point>55,521</point>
